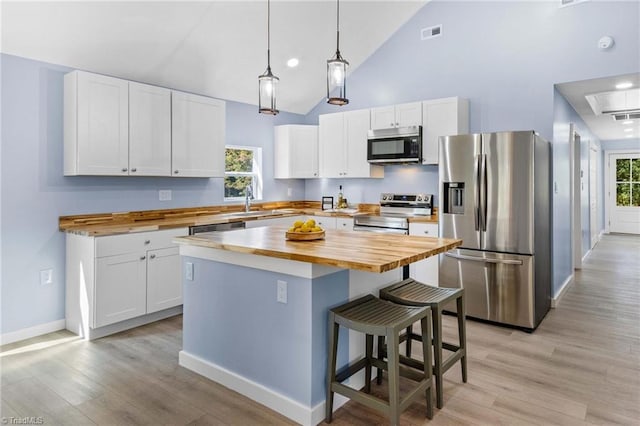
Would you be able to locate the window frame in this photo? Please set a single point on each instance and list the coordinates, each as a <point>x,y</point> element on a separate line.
<point>256,173</point>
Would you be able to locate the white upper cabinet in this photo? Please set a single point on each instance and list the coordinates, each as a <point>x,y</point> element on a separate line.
<point>116,127</point>
<point>295,151</point>
<point>401,115</point>
<point>149,130</point>
<point>198,135</point>
<point>343,145</point>
<point>96,127</point>
<point>442,117</point>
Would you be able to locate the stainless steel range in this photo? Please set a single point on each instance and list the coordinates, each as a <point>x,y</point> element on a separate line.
<point>395,211</point>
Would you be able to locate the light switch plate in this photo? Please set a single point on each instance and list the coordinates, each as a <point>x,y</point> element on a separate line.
<point>282,292</point>
<point>46,277</point>
<point>164,195</point>
<point>188,271</point>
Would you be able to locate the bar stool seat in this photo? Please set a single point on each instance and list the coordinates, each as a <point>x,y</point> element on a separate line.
<point>410,292</point>
<point>372,316</point>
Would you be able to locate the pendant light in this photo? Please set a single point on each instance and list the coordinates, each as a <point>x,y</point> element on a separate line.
<point>337,71</point>
<point>267,82</point>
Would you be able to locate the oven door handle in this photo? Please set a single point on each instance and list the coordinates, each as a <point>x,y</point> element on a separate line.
<point>380,230</point>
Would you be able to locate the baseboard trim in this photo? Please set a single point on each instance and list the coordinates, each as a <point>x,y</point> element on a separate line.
<point>586,255</point>
<point>555,301</point>
<point>28,333</point>
<point>307,416</point>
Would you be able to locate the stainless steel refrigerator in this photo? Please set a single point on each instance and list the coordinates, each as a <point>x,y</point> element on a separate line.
<point>495,196</point>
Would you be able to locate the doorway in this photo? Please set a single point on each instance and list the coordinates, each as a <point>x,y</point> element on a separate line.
<point>622,213</point>
<point>575,185</point>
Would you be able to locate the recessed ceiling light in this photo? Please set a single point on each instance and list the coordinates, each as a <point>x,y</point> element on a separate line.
<point>627,122</point>
<point>628,130</point>
<point>293,62</point>
<point>624,85</point>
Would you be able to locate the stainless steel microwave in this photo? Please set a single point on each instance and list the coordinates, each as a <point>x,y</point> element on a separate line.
<point>395,145</point>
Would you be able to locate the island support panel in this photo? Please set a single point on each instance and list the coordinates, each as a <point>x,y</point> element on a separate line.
<point>237,334</point>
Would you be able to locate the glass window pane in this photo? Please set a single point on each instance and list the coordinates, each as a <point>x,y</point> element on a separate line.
<point>635,194</point>
<point>238,160</point>
<point>623,194</point>
<point>234,186</point>
<point>623,170</point>
<point>635,170</point>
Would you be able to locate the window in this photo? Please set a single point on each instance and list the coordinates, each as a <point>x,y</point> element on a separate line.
<point>243,167</point>
<point>628,182</point>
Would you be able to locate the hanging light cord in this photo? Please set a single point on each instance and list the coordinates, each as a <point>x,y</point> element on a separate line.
<point>338,29</point>
<point>269,34</point>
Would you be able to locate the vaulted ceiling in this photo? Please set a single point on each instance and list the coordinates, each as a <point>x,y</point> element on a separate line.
<point>214,48</point>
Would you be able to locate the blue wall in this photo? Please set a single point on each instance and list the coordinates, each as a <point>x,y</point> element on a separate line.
<point>35,192</point>
<point>505,57</point>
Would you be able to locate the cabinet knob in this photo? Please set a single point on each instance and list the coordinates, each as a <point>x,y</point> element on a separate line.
<point>397,124</point>
<point>147,241</point>
<point>391,124</point>
<point>143,257</point>
<point>426,232</point>
<point>175,172</point>
<point>134,170</point>
<point>315,174</point>
<point>124,169</point>
<point>153,256</point>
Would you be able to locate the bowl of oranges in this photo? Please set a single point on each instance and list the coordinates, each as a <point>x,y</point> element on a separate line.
<point>305,231</point>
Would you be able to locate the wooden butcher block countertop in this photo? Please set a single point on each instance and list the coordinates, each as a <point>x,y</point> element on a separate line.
<point>366,251</point>
<point>101,224</point>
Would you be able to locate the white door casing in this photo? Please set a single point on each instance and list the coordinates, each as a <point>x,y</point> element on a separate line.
<point>622,191</point>
<point>593,194</point>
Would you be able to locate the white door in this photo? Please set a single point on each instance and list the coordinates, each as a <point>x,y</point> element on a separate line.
<point>164,281</point>
<point>120,288</point>
<point>409,114</point>
<point>103,125</point>
<point>439,119</point>
<point>356,128</point>
<point>383,117</point>
<point>303,144</point>
<point>332,151</point>
<point>593,195</point>
<point>198,132</point>
<point>624,193</point>
<point>149,130</point>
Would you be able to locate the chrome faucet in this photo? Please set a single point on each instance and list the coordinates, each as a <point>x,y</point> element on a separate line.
<point>248,196</point>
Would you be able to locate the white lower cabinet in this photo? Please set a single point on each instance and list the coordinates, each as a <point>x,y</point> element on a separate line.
<point>118,278</point>
<point>325,222</point>
<point>344,223</point>
<point>425,271</point>
<point>275,221</point>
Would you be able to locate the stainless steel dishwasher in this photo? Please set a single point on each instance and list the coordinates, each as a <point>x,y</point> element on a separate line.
<point>215,227</point>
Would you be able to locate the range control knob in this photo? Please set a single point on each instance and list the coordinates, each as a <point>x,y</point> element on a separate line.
<point>419,198</point>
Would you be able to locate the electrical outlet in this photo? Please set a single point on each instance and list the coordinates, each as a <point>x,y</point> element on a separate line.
<point>46,277</point>
<point>282,292</point>
<point>289,192</point>
<point>164,195</point>
<point>188,271</point>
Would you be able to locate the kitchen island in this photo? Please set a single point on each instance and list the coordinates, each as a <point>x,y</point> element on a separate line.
<point>255,307</point>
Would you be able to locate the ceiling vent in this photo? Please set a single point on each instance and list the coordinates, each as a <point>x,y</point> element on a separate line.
<point>431,32</point>
<point>621,104</point>
<point>565,3</point>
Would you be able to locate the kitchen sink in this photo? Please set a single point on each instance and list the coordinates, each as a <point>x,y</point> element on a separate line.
<point>246,214</point>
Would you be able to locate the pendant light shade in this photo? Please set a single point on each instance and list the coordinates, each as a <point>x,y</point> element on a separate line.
<point>337,71</point>
<point>267,82</point>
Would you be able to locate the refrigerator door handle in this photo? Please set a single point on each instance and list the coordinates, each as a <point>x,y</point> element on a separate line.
<point>476,208</point>
<point>484,260</point>
<point>483,195</point>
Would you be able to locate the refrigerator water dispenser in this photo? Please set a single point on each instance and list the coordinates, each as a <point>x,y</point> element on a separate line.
<point>454,197</point>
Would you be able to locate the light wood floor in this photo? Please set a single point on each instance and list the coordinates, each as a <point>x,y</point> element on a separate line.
<point>582,366</point>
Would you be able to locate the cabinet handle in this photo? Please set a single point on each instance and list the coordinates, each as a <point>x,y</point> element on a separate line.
<point>143,257</point>
<point>124,169</point>
<point>426,232</point>
<point>134,170</point>
<point>153,256</point>
<point>175,172</point>
<point>147,241</point>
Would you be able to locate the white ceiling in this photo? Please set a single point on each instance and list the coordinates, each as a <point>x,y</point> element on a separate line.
<point>214,48</point>
<point>603,125</point>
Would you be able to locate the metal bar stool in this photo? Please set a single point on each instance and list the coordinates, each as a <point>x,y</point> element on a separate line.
<point>410,292</point>
<point>372,316</point>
